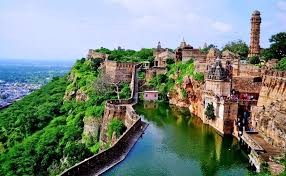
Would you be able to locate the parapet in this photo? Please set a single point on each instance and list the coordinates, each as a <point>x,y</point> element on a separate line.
<point>274,73</point>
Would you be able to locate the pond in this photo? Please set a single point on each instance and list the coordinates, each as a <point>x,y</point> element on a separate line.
<point>177,143</point>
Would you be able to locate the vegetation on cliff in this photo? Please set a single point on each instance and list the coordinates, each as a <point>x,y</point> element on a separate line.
<point>42,134</point>
<point>176,74</point>
<point>39,135</point>
<point>122,55</point>
<point>115,126</point>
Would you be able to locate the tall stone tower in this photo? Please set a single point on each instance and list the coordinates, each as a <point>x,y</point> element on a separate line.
<point>254,49</point>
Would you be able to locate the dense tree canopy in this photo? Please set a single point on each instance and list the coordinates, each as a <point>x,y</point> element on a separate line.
<point>277,49</point>
<point>238,47</point>
<point>254,60</point>
<point>278,45</point>
<point>282,64</point>
<point>128,55</point>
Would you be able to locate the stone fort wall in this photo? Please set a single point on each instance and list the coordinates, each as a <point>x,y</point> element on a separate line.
<point>119,72</point>
<point>123,110</point>
<point>99,163</point>
<point>269,116</point>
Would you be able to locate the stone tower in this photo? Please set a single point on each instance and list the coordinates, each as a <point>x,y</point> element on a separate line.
<point>254,48</point>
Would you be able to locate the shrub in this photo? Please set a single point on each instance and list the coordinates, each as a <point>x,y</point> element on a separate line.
<point>282,64</point>
<point>94,148</point>
<point>117,126</point>
<point>210,111</point>
<point>184,93</point>
<point>170,61</point>
<point>254,60</point>
<point>199,76</point>
<point>125,91</point>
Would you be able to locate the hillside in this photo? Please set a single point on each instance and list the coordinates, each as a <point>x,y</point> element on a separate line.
<point>42,134</point>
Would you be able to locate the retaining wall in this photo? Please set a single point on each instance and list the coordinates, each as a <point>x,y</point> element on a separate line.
<point>106,158</point>
<point>123,109</point>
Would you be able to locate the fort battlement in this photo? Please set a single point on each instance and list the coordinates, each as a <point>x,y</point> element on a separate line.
<point>275,73</point>
<point>123,110</point>
<point>119,72</point>
<point>120,65</point>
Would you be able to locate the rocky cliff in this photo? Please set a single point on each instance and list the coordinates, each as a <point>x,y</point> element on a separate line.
<point>189,94</point>
<point>269,117</point>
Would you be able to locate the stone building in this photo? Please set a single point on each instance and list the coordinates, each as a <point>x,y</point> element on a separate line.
<point>93,54</point>
<point>212,55</point>
<point>233,59</point>
<point>254,48</point>
<point>218,92</point>
<point>151,95</point>
<point>186,52</point>
<point>162,55</point>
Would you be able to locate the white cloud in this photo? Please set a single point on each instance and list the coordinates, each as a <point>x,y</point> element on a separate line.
<point>221,27</point>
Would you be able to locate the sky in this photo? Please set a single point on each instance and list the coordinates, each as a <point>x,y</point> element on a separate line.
<point>66,29</point>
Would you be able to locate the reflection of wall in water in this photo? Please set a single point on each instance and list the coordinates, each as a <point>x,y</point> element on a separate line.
<point>150,105</point>
<point>218,146</point>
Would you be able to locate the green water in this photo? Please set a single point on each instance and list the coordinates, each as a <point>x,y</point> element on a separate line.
<point>176,143</point>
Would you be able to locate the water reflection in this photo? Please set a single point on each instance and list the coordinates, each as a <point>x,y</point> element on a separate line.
<point>177,143</point>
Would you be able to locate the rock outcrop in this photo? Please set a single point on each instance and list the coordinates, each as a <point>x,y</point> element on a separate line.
<point>193,100</point>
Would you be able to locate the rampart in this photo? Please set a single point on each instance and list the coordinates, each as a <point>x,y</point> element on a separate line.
<point>120,108</point>
<point>269,115</point>
<point>123,110</point>
<point>119,72</point>
<point>249,70</point>
<point>101,162</point>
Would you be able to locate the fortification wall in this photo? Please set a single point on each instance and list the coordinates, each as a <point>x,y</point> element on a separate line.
<point>269,117</point>
<point>273,87</point>
<point>123,110</point>
<point>249,70</point>
<point>100,162</point>
<point>119,72</point>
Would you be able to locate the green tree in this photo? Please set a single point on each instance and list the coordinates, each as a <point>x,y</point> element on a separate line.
<point>266,54</point>
<point>238,47</point>
<point>207,48</point>
<point>282,64</point>
<point>254,60</point>
<point>115,126</point>
<point>278,45</point>
<point>209,112</point>
<point>170,61</point>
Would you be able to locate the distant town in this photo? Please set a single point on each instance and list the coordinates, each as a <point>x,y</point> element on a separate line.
<point>11,92</point>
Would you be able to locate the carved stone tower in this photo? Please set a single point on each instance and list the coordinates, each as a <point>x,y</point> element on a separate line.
<point>254,48</point>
